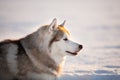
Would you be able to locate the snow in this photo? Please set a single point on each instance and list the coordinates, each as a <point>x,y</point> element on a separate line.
<point>93,23</point>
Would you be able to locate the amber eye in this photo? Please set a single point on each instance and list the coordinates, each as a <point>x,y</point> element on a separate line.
<point>65,39</point>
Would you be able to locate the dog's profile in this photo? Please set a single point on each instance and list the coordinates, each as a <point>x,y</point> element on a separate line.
<point>38,56</point>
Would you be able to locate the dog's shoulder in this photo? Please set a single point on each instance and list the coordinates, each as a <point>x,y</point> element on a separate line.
<point>6,44</point>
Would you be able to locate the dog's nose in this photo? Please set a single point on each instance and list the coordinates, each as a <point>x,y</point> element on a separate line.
<point>80,46</point>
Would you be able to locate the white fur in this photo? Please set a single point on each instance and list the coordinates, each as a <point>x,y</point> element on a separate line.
<point>59,49</point>
<point>11,58</point>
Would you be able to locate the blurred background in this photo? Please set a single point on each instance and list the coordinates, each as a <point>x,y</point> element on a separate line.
<point>93,23</point>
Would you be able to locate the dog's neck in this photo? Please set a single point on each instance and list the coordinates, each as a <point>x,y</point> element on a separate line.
<point>40,56</point>
<point>52,64</point>
<point>58,58</point>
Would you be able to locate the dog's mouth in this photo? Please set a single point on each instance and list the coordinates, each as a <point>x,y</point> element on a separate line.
<point>73,53</point>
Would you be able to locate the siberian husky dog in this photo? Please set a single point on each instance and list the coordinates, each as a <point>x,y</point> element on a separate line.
<point>38,56</point>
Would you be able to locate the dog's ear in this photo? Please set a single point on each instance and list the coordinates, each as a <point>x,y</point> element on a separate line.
<point>62,25</point>
<point>53,25</point>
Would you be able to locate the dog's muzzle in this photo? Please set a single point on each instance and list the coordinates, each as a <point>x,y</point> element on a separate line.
<point>75,53</point>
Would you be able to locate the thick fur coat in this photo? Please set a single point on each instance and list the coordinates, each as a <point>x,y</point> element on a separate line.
<point>38,56</point>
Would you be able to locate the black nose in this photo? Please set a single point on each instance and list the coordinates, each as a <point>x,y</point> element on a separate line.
<point>80,46</point>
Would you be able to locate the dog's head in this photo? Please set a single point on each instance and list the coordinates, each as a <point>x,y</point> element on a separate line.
<point>57,39</point>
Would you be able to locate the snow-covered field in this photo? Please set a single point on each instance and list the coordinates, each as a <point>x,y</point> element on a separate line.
<point>93,23</point>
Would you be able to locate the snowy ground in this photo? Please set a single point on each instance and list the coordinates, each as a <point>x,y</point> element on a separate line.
<point>93,23</point>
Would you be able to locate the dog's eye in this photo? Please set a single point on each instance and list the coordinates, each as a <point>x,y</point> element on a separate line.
<point>65,39</point>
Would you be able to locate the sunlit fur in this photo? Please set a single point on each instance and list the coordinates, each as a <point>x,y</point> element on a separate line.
<point>63,29</point>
